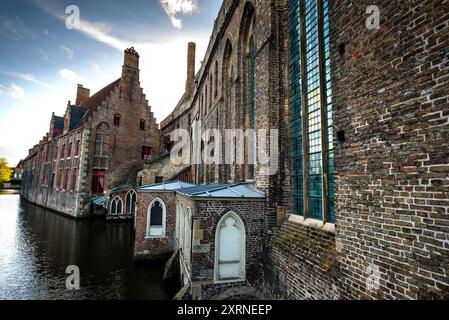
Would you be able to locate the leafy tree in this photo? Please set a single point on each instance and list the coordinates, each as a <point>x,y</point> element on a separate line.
<point>5,171</point>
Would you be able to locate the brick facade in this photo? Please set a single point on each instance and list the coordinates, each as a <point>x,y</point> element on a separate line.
<point>59,170</point>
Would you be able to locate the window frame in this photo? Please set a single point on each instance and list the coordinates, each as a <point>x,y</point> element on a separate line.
<point>115,201</point>
<point>148,234</point>
<point>98,174</point>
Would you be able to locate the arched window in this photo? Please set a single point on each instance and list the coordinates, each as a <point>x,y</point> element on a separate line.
<point>230,249</point>
<point>116,206</point>
<point>181,227</point>
<point>178,216</point>
<point>156,219</point>
<point>187,248</point>
<point>131,199</point>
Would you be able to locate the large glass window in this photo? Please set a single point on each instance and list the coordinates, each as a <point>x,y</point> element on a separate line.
<point>311,110</point>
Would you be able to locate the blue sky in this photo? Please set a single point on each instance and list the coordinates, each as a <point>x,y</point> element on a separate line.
<point>41,61</point>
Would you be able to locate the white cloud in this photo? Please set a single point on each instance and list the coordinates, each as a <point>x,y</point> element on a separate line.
<point>67,51</point>
<point>69,75</point>
<point>13,91</point>
<point>25,76</point>
<point>174,7</point>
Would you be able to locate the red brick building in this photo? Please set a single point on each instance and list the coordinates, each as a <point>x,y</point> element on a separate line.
<point>99,144</point>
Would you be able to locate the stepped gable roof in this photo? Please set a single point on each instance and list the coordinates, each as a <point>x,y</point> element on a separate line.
<point>232,191</point>
<point>96,100</point>
<point>77,115</point>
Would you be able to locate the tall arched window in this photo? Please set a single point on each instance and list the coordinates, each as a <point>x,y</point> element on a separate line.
<point>178,216</point>
<point>117,206</point>
<point>227,72</point>
<point>230,249</point>
<point>156,219</point>
<point>131,200</point>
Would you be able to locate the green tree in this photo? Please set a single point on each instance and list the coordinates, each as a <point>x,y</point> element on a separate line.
<point>5,171</point>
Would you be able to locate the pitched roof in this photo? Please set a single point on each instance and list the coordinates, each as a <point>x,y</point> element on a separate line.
<point>234,191</point>
<point>95,101</point>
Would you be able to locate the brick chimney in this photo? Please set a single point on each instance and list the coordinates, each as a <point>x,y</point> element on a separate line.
<point>191,52</point>
<point>130,68</point>
<point>82,94</point>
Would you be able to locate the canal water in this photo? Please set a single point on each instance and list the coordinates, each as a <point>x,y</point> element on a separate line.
<point>36,247</point>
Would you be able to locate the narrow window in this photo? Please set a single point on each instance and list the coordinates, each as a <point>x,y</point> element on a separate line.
<point>56,152</point>
<point>98,182</point>
<point>313,181</point>
<point>230,249</point>
<point>116,206</point>
<point>70,151</point>
<point>156,219</point>
<point>63,151</point>
<point>142,125</point>
<point>74,178</point>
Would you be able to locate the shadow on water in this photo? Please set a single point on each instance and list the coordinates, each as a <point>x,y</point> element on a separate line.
<point>37,245</point>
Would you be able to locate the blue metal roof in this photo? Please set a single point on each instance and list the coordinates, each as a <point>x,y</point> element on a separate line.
<point>234,191</point>
<point>168,186</point>
<point>122,188</point>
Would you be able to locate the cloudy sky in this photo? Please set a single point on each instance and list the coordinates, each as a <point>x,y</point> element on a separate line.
<point>42,61</point>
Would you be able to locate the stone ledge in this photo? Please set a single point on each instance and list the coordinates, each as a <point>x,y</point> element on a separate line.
<point>317,224</point>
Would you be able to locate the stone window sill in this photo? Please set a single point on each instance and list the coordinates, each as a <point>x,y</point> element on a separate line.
<point>313,223</point>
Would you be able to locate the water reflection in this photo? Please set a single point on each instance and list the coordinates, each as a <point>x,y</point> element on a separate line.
<point>36,246</point>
